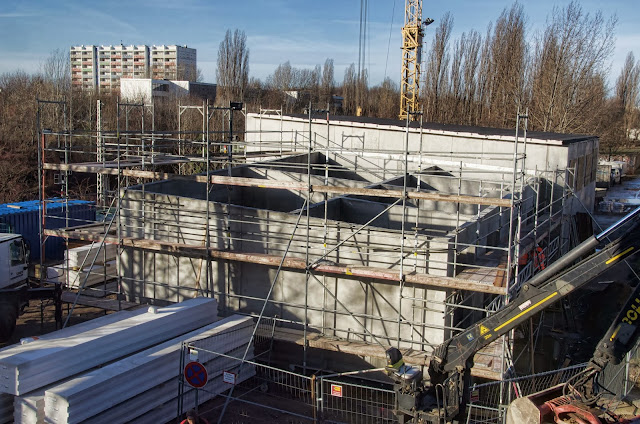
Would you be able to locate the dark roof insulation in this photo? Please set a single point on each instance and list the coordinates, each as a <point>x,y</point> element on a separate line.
<point>509,132</point>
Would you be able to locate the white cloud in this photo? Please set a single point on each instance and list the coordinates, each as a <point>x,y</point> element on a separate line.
<point>17,15</point>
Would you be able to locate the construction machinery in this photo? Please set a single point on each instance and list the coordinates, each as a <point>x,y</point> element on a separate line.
<point>412,33</point>
<point>443,394</point>
<point>15,289</point>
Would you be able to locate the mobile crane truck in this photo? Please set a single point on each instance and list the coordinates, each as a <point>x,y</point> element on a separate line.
<point>15,288</point>
<point>443,394</point>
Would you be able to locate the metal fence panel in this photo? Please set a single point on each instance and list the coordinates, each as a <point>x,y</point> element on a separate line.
<point>345,401</point>
<point>490,400</point>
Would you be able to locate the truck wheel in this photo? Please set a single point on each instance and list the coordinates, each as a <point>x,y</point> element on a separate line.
<point>8,317</point>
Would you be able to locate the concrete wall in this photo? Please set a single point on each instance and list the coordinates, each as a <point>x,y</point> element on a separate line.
<point>240,286</point>
<point>262,221</point>
<point>160,214</point>
<point>382,146</point>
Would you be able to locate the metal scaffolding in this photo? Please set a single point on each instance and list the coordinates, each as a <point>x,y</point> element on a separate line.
<point>230,180</point>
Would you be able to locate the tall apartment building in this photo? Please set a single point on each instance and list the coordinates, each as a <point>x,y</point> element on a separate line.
<point>83,67</point>
<point>173,63</point>
<point>101,67</point>
<point>115,62</point>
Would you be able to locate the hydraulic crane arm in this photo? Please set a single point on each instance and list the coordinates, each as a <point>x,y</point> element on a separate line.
<point>443,396</point>
<point>542,291</point>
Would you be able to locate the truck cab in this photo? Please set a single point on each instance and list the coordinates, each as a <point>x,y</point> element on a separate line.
<point>14,260</point>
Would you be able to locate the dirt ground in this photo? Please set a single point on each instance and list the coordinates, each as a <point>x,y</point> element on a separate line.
<point>264,408</point>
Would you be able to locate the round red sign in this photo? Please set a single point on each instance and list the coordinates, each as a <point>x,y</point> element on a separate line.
<point>195,374</point>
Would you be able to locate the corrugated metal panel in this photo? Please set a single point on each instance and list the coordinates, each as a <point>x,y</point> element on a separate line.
<point>23,218</point>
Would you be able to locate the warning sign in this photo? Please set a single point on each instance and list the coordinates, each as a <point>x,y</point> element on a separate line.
<point>483,330</point>
<point>229,377</point>
<point>336,390</point>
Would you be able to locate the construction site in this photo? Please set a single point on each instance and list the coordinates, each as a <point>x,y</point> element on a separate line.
<point>262,266</point>
<point>339,236</point>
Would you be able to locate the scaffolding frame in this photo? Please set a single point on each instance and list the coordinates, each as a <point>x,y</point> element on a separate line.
<point>124,155</point>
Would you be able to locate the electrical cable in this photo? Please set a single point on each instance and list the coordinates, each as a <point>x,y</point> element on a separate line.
<point>393,12</point>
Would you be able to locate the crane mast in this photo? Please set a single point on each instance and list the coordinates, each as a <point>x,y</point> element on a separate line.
<point>412,33</point>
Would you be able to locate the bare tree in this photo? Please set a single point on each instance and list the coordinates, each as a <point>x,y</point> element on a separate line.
<point>233,66</point>
<point>295,87</point>
<point>508,58</point>
<point>349,88</point>
<point>362,93</point>
<point>199,75</point>
<point>384,99</point>
<point>470,49</point>
<point>328,80</point>
<point>56,69</point>
<point>454,95</point>
<point>316,75</point>
<point>437,69</point>
<point>484,78</point>
<point>282,78</point>
<point>570,57</point>
<point>627,95</point>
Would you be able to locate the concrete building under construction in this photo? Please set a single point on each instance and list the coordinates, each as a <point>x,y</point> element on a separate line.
<point>351,234</point>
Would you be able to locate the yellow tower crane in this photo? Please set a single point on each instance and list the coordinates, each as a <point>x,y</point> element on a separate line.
<point>412,33</point>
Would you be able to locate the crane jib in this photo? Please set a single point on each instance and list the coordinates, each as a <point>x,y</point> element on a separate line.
<point>534,298</point>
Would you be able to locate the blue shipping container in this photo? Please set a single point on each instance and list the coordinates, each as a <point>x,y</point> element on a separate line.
<point>24,217</point>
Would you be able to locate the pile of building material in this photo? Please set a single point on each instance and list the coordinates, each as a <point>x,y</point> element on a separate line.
<point>85,266</point>
<point>56,359</point>
<point>96,253</point>
<point>146,383</point>
<point>29,408</point>
<point>86,277</point>
<point>28,369</point>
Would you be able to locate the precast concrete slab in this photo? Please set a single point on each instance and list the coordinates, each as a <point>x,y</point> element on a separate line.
<point>92,394</point>
<point>53,359</point>
<point>145,407</point>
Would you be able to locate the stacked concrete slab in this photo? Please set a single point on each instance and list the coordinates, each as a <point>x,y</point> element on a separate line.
<point>56,359</point>
<point>87,276</point>
<point>29,408</point>
<point>145,383</point>
<point>90,254</point>
<point>85,265</point>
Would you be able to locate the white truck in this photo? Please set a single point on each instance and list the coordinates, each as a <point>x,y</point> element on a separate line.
<point>14,257</point>
<point>15,290</point>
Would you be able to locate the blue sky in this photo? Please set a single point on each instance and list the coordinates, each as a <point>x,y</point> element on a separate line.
<point>302,32</point>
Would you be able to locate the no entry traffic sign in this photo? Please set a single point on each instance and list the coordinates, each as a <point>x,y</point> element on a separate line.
<point>195,374</point>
